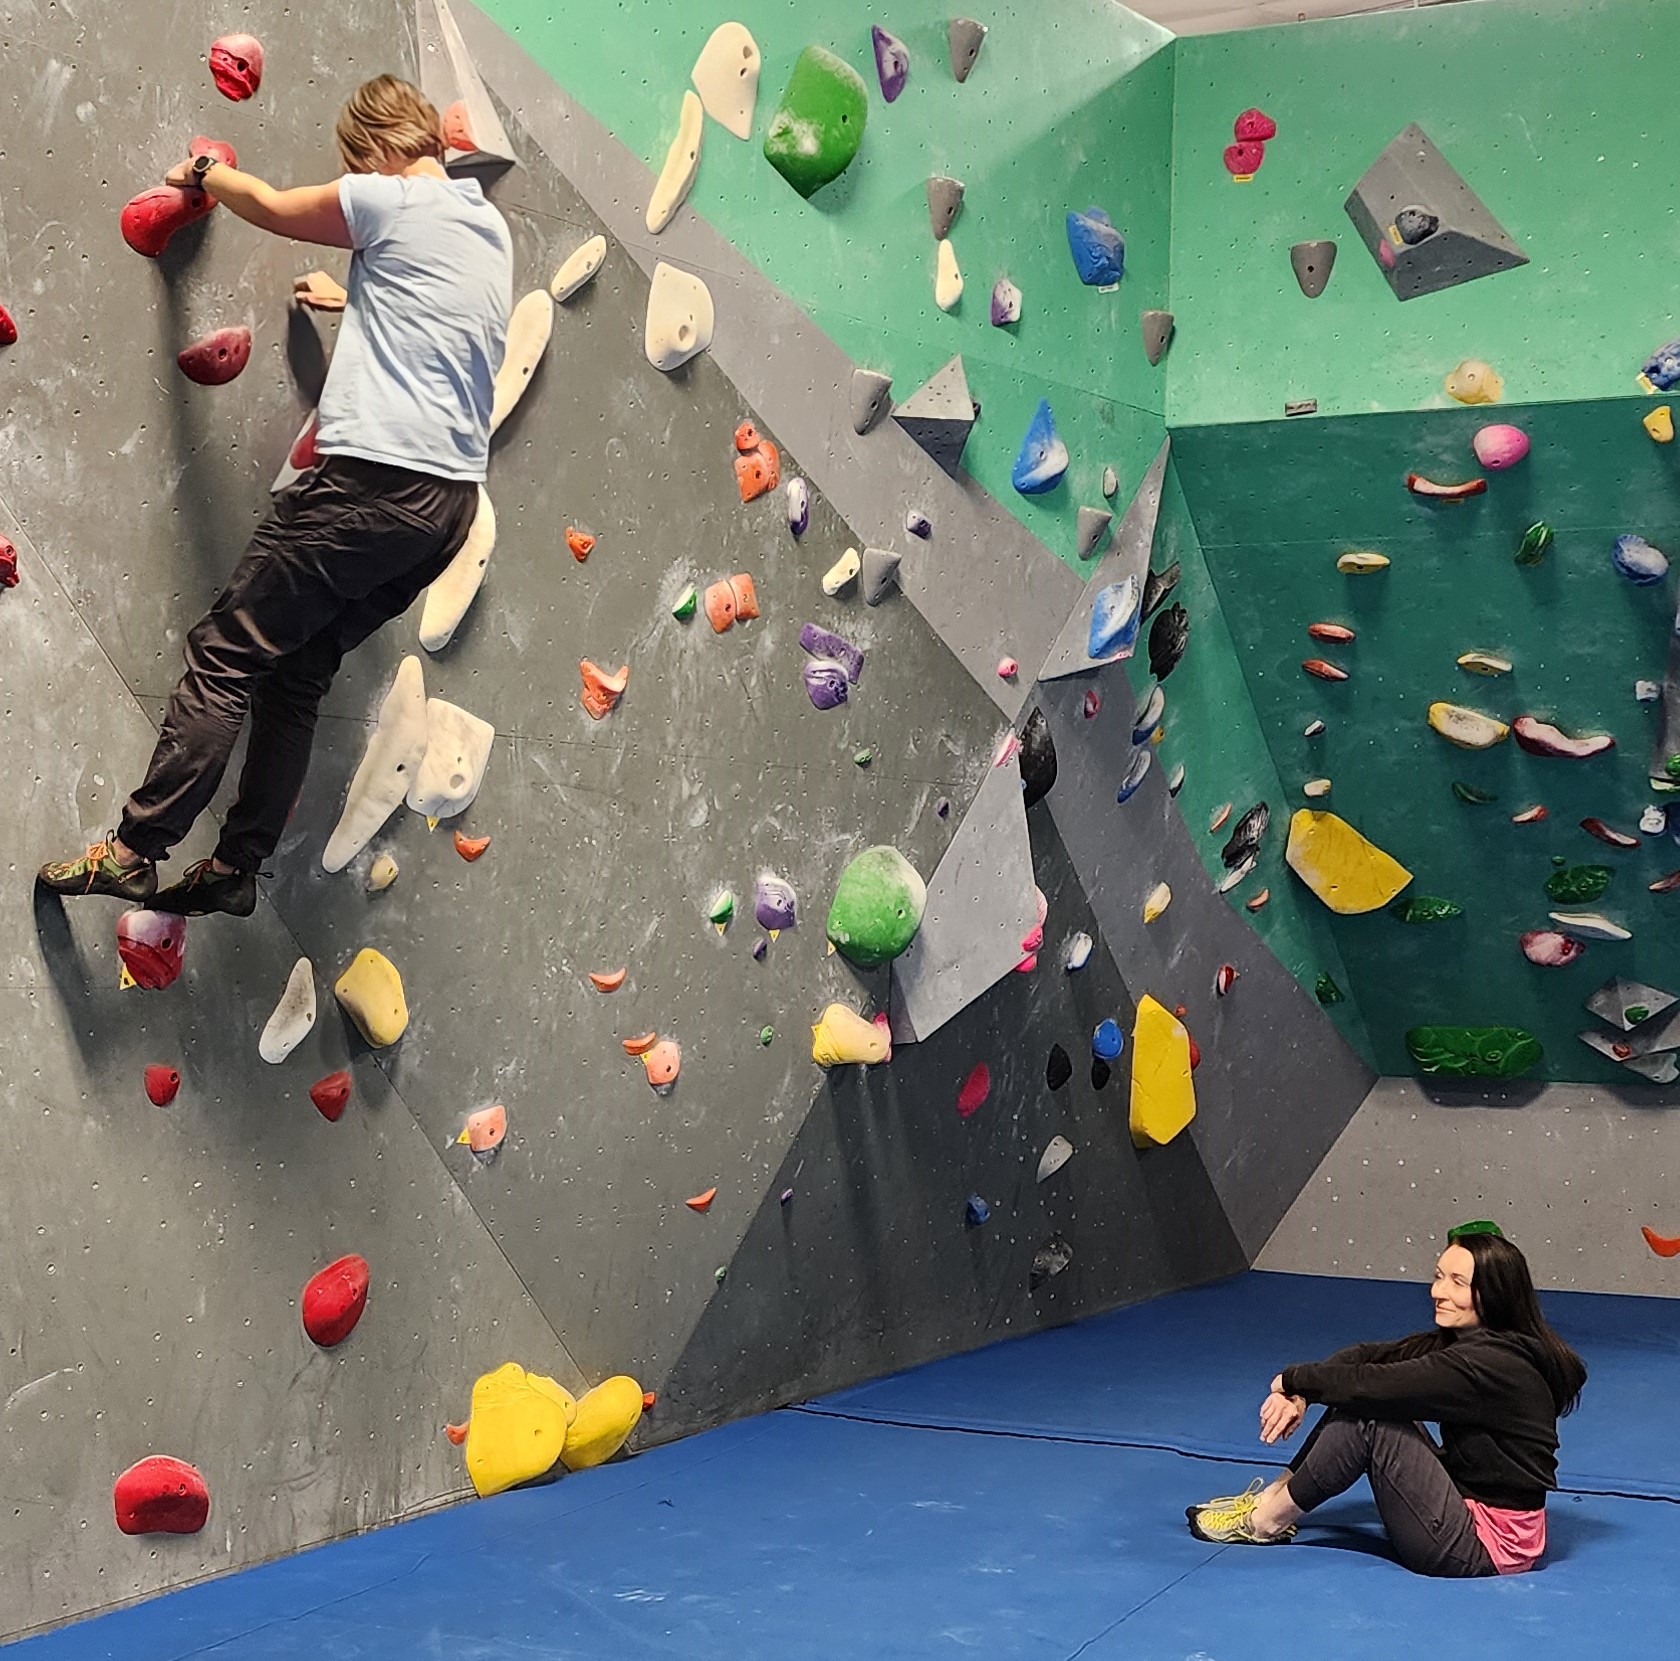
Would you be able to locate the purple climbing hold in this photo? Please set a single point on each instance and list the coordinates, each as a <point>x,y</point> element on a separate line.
<point>825,681</point>
<point>774,904</point>
<point>892,62</point>
<point>798,506</point>
<point>943,807</point>
<point>917,523</point>
<point>820,642</point>
<point>761,948</point>
<point>1006,303</point>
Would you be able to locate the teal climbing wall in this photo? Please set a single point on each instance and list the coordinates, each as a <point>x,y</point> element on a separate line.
<point>1274,505</point>
<point>1548,109</point>
<point>1068,105</point>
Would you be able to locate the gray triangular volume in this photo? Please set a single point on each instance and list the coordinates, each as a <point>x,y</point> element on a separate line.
<point>880,572</point>
<point>449,80</point>
<point>1312,263</point>
<point>940,415</point>
<point>945,200</point>
<point>980,907</point>
<point>966,38</point>
<point>1093,527</point>
<point>1129,557</point>
<point>1466,241</point>
<point>869,397</point>
<point>1157,331</point>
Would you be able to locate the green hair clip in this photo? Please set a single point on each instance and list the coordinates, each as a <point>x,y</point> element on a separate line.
<point>1482,1226</point>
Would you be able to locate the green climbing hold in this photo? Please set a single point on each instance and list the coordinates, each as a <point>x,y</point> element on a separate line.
<point>819,123</point>
<point>1469,793</point>
<point>1327,991</point>
<point>1536,540</point>
<point>687,603</point>
<point>1579,885</point>
<point>1672,767</point>
<point>721,909</point>
<point>765,1034</point>
<point>720,1275</point>
<point>1424,908</point>
<point>863,757</point>
<point>878,905</point>
<point>1473,1052</point>
<point>1635,1013</point>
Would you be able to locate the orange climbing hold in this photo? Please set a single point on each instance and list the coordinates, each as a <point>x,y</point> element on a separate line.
<point>161,1495</point>
<point>602,691</point>
<point>746,437</point>
<point>334,1299</point>
<point>720,607</point>
<point>457,1433</point>
<point>485,1129</point>
<point>702,1202</point>
<point>1663,1245</point>
<point>1259,899</point>
<point>758,471</point>
<point>663,1063</point>
<point>745,596</point>
<point>470,847</point>
<point>161,1084</point>
<point>330,1095</point>
<point>641,1044</point>
<point>607,980</point>
<point>1337,632</point>
<point>648,1399</point>
<point>581,543</point>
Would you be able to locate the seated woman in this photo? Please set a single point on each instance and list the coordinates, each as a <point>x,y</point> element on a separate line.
<point>1492,1374</point>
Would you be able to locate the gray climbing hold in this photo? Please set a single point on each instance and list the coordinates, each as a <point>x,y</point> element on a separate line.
<point>869,397</point>
<point>945,200</point>
<point>940,414</point>
<point>1312,263</point>
<point>1157,332</point>
<point>1093,530</point>
<point>880,572</point>
<point>966,38</point>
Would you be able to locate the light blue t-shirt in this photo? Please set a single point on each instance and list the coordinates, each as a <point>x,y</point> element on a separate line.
<point>423,332</point>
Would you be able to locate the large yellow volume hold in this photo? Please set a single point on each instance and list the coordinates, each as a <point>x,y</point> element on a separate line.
<point>1163,1094</point>
<point>1349,874</point>
<point>371,992</point>
<point>605,1417</point>
<point>518,1429</point>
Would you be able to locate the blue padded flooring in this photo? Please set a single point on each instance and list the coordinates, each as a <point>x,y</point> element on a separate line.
<point>1023,1501</point>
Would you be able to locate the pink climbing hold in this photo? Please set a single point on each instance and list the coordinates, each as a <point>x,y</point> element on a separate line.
<point>1549,949</point>
<point>1093,702</point>
<point>152,946</point>
<point>236,66</point>
<point>975,1089</point>
<point>1254,126</point>
<point>331,1095</point>
<point>1541,738</point>
<point>334,1299</point>
<point>161,1495</point>
<point>155,215</point>
<point>8,563</point>
<point>1008,669</point>
<point>161,1084</point>
<point>216,359</point>
<point>1243,159</point>
<point>8,329</point>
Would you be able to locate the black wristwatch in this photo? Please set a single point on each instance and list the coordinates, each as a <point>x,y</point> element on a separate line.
<point>201,165</point>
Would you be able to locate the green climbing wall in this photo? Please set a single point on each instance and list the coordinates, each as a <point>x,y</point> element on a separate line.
<point>1547,107</point>
<point>1275,504</point>
<point>1069,104</point>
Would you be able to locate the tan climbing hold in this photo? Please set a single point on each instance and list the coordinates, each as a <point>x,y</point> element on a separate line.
<point>381,874</point>
<point>519,1426</point>
<point>1357,561</point>
<point>1349,874</point>
<point>842,1036</point>
<point>1157,901</point>
<point>842,573</point>
<point>607,980</point>
<point>528,331</point>
<point>682,164</point>
<point>1469,729</point>
<point>1484,663</point>
<point>579,267</point>
<point>371,992</point>
<point>680,318</point>
<point>605,1418</point>
<point>1163,1094</point>
<point>602,691</point>
<point>1316,788</point>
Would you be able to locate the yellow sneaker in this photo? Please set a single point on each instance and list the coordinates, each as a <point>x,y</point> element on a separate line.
<point>1229,1521</point>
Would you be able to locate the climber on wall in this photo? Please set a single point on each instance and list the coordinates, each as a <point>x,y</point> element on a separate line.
<point>1492,1374</point>
<point>404,434</point>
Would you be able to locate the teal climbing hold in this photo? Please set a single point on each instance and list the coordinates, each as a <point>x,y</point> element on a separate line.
<point>819,123</point>
<point>877,908</point>
<point>1043,458</point>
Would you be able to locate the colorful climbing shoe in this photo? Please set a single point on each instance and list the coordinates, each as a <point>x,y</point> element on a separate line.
<point>203,890</point>
<point>1230,1521</point>
<point>99,872</point>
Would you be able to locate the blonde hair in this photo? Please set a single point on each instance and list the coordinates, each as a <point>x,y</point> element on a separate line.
<point>385,120</point>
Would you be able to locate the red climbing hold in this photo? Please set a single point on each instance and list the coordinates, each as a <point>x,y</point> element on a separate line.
<point>702,1202</point>
<point>334,1299</point>
<point>975,1089</point>
<point>216,359</point>
<point>457,129</point>
<point>161,1084</point>
<point>161,1495</point>
<point>1195,1054</point>
<point>236,66</point>
<point>331,1095</point>
<point>1661,1244</point>
<point>8,329</point>
<point>152,945</point>
<point>1243,159</point>
<point>1254,126</point>
<point>154,216</point>
<point>581,543</point>
<point>8,563</point>
<point>470,847</point>
<point>304,454</point>
<point>648,1399</point>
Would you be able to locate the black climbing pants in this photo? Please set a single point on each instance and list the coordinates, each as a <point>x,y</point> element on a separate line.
<point>1427,1522</point>
<point>343,551</point>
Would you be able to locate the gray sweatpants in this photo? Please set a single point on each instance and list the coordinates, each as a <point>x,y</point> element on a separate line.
<point>1427,1521</point>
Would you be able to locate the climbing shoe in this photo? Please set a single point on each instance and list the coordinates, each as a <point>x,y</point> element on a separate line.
<point>1230,1521</point>
<point>203,890</point>
<point>97,872</point>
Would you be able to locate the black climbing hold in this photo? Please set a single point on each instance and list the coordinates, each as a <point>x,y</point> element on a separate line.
<point>1048,1261</point>
<point>1169,634</point>
<point>1246,836</point>
<point>1038,758</point>
<point>1101,1073</point>
<point>1157,586</point>
<point>1058,1069</point>
<point>1414,224</point>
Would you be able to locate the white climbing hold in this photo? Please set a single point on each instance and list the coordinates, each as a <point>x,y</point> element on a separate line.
<point>679,318</point>
<point>1110,481</point>
<point>842,573</point>
<point>529,326</point>
<point>449,597</point>
<point>1654,820</point>
<point>1590,925</point>
<point>947,282</point>
<point>1077,953</point>
<point>578,268</point>
<point>1647,692</point>
<point>1316,788</point>
<point>293,1016</point>
<point>395,749</point>
<point>682,164</point>
<point>880,572</point>
<point>726,77</point>
<point>381,874</point>
<point>1057,1152</point>
<point>457,751</point>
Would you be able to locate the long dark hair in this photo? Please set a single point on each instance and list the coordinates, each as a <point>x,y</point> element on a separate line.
<point>1503,1293</point>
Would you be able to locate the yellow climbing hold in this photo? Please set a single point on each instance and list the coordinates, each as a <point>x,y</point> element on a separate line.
<point>605,1417</point>
<point>1349,874</point>
<point>1660,424</point>
<point>1156,901</point>
<point>1163,1093</point>
<point>518,1427</point>
<point>842,1036</point>
<point>371,992</point>
<point>1469,729</point>
<point>1357,560</point>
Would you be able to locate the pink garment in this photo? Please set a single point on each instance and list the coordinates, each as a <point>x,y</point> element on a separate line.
<point>1514,1539</point>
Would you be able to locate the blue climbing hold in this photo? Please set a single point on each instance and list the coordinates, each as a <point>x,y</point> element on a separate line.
<point>1043,458</point>
<point>1639,562</point>
<point>1115,615</point>
<point>1137,769</point>
<point>1662,368</point>
<point>1107,1041</point>
<point>1099,251</point>
<point>978,1211</point>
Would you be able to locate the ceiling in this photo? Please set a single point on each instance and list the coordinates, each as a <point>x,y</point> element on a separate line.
<point>1208,17</point>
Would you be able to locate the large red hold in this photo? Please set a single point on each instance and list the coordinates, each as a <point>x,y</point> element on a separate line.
<point>330,1095</point>
<point>334,1299</point>
<point>161,1495</point>
<point>216,359</point>
<point>155,215</point>
<point>236,66</point>
<point>161,1084</point>
<point>152,946</point>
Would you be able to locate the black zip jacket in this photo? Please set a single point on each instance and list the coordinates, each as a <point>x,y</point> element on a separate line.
<point>1486,1391</point>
